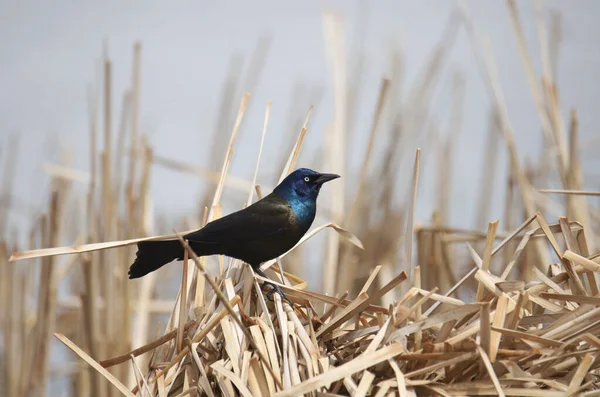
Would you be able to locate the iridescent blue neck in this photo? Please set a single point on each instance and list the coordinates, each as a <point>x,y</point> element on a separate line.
<point>304,206</point>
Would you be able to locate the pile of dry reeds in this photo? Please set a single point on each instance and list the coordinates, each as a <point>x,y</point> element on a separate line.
<point>517,315</point>
<point>516,339</point>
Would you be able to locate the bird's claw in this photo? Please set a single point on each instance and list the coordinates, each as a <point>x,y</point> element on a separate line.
<point>276,288</point>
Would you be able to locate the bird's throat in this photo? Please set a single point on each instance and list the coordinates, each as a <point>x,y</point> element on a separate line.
<point>304,210</point>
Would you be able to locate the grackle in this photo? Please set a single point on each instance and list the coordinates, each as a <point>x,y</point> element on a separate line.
<point>260,232</point>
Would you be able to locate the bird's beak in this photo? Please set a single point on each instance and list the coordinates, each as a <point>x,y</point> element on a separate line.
<point>326,178</point>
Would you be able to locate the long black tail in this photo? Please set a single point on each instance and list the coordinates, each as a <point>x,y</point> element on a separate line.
<point>152,255</point>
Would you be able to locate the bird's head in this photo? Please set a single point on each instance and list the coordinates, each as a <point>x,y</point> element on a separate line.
<point>303,183</point>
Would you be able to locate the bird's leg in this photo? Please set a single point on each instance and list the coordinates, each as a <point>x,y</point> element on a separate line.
<point>275,288</point>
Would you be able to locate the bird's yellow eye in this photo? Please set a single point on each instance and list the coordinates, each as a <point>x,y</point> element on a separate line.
<point>306,179</point>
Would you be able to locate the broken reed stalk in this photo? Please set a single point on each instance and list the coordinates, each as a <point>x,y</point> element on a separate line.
<point>146,348</point>
<point>335,142</point>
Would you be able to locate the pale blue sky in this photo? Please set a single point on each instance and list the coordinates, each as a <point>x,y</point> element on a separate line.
<point>49,56</point>
<point>49,53</point>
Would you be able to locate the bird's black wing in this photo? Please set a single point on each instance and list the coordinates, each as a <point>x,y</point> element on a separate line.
<point>266,218</point>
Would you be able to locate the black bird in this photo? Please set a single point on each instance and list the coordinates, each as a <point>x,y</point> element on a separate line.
<point>260,232</point>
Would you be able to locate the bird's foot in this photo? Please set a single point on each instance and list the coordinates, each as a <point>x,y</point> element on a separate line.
<point>276,288</point>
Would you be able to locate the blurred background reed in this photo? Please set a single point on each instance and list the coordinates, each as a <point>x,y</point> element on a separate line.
<point>115,121</point>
